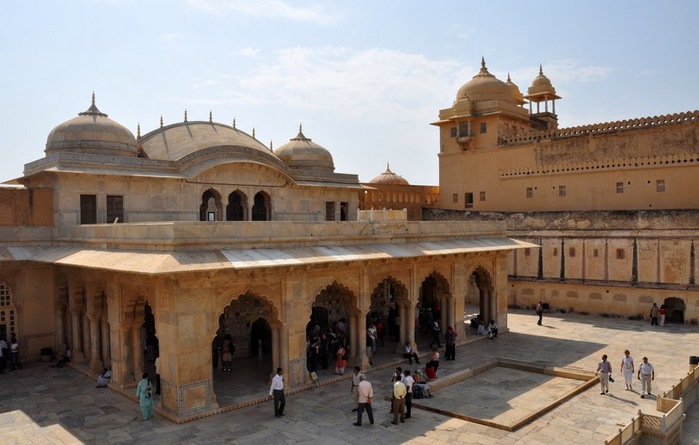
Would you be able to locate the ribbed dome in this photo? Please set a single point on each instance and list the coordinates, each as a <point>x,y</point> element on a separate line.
<point>514,89</point>
<point>390,178</point>
<point>302,153</point>
<point>92,132</point>
<point>541,85</point>
<point>484,86</point>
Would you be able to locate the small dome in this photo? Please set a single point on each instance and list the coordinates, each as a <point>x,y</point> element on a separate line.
<point>302,153</point>
<point>541,85</point>
<point>389,178</point>
<point>514,89</point>
<point>484,86</point>
<point>92,132</point>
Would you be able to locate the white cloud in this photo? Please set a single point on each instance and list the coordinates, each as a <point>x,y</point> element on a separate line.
<point>249,52</point>
<point>377,84</point>
<point>313,13</point>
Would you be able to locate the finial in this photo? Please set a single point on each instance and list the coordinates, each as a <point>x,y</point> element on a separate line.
<point>138,130</point>
<point>300,128</point>
<point>271,145</point>
<point>388,166</point>
<point>541,70</point>
<point>161,121</point>
<point>211,116</point>
<point>482,62</point>
<point>185,115</point>
<point>253,132</point>
<point>93,98</point>
<point>508,77</point>
<point>234,122</point>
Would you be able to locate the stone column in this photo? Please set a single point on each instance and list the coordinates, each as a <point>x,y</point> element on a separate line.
<point>136,351</point>
<point>85,322</point>
<point>403,309</point>
<point>444,313</point>
<point>363,361</point>
<point>354,338</point>
<point>410,316</point>
<point>60,335</point>
<point>96,363</point>
<point>106,354</point>
<point>127,361</point>
<point>77,344</point>
<point>276,348</point>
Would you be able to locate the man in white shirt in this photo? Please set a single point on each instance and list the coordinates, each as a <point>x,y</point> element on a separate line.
<point>646,373</point>
<point>356,379</point>
<point>408,382</point>
<point>366,393</point>
<point>3,356</point>
<point>276,390</point>
<point>399,392</point>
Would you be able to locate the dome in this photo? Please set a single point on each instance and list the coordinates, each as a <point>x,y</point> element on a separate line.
<point>302,153</point>
<point>389,178</point>
<point>541,85</point>
<point>514,90</point>
<point>94,133</point>
<point>484,86</point>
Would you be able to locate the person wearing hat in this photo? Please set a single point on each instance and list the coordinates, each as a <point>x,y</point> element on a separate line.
<point>366,393</point>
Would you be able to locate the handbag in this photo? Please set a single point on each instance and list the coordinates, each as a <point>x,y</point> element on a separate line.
<point>611,379</point>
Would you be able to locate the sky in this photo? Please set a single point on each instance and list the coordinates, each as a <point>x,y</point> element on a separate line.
<point>365,78</point>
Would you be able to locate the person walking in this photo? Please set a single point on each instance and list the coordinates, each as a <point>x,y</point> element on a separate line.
<point>627,370</point>
<point>276,390</point>
<point>408,381</point>
<point>436,332</point>
<point>354,390</point>
<point>540,312</point>
<point>14,353</point>
<point>365,394</point>
<point>450,341</point>
<point>399,392</point>
<point>3,354</point>
<point>654,313</point>
<point>646,374</point>
<point>144,392</point>
<point>661,318</point>
<point>604,370</point>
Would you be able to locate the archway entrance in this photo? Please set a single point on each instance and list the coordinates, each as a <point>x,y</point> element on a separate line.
<point>261,209</point>
<point>245,325</point>
<point>674,310</point>
<point>237,206</point>
<point>479,302</point>
<point>329,329</point>
<point>388,313</point>
<point>432,307</point>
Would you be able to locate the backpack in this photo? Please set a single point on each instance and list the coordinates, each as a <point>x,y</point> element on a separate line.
<point>417,392</point>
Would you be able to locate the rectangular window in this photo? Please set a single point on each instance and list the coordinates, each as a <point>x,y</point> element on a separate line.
<point>561,191</point>
<point>620,254</point>
<point>453,132</point>
<point>482,196</point>
<point>455,197</point>
<point>484,128</point>
<point>527,252</point>
<point>595,253</point>
<point>330,211</point>
<point>463,129</point>
<point>530,192</point>
<point>555,251</point>
<point>88,209</point>
<point>344,211</point>
<point>115,209</point>
<point>660,185</point>
<point>468,200</point>
<point>571,252</point>
<point>620,187</point>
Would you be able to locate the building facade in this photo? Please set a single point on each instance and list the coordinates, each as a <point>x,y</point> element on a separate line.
<point>125,247</point>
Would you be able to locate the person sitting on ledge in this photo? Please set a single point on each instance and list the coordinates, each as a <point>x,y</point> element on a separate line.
<point>409,354</point>
<point>66,358</point>
<point>430,372</point>
<point>492,330</point>
<point>103,379</point>
<point>421,382</point>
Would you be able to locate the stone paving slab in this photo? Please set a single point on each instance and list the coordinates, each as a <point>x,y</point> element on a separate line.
<point>41,405</point>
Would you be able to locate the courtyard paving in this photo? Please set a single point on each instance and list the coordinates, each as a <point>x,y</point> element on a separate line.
<point>41,405</point>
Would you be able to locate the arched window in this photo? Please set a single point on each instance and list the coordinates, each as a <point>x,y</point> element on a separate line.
<point>8,322</point>
<point>237,206</point>
<point>261,210</point>
<point>210,209</point>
